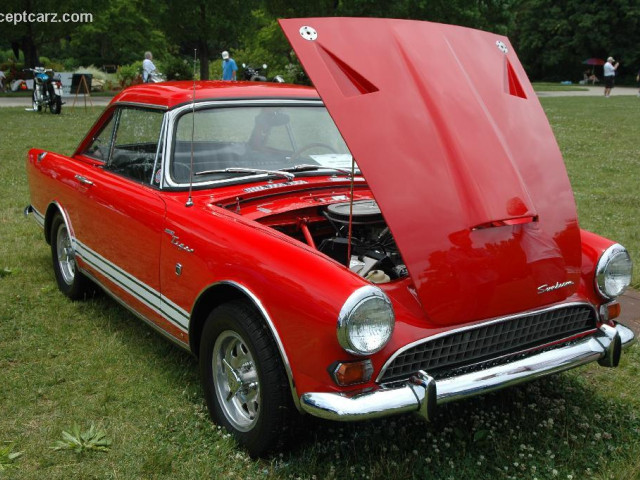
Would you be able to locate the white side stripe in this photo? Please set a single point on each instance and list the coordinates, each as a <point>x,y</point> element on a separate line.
<point>138,289</point>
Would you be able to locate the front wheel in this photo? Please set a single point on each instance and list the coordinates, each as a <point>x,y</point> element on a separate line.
<point>70,281</point>
<point>243,378</point>
<point>36,106</point>
<point>56,105</point>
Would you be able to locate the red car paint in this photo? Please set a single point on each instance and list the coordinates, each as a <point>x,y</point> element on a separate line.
<point>454,147</point>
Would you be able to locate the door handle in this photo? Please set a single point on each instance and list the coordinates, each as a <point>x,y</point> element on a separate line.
<point>84,180</point>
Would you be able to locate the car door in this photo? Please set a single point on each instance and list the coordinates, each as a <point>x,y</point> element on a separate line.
<point>119,223</point>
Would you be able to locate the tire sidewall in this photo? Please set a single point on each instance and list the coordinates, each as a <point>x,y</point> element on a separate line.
<point>239,318</point>
<point>77,288</point>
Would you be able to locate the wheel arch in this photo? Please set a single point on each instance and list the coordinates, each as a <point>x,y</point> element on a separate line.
<point>52,209</point>
<point>223,292</point>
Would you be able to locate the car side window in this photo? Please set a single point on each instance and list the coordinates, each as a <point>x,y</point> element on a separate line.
<point>101,144</point>
<point>135,143</point>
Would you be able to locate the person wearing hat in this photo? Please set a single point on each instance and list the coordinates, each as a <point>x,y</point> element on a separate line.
<point>609,75</point>
<point>229,67</point>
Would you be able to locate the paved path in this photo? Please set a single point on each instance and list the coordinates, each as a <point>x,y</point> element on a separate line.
<point>630,316</point>
<point>26,101</point>
<point>591,92</point>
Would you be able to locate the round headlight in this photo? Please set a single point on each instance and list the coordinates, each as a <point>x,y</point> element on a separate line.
<point>366,321</point>
<point>613,273</point>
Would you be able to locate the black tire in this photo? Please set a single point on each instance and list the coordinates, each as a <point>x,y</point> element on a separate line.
<point>56,105</point>
<point>70,280</point>
<point>259,416</point>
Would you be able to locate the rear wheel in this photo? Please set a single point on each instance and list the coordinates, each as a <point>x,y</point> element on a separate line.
<point>56,105</point>
<point>244,381</point>
<point>70,281</point>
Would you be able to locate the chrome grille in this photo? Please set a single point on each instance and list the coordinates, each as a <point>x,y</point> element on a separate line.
<point>467,349</point>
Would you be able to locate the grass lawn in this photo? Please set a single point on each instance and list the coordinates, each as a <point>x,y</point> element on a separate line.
<point>66,363</point>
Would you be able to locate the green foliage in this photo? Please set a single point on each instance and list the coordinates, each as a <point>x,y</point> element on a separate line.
<point>553,45</point>
<point>8,456</point>
<point>176,68</point>
<point>91,440</point>
<point>129,74</point>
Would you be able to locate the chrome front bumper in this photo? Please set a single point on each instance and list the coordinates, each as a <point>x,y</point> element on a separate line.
<point>422,393</point>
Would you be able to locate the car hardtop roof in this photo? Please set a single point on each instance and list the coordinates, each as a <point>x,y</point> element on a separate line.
<point>172,94</point>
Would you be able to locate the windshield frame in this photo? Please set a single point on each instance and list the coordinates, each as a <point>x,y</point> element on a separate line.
<point>173,117</point>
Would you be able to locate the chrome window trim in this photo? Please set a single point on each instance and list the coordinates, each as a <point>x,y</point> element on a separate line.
<point>508,318</point>
<point>142,105</point>
<point>173,115</point>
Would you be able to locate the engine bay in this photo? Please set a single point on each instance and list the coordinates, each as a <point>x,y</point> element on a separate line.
<point>365,245</point>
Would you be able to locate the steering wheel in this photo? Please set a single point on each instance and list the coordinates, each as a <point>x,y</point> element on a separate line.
<point>298,153</point>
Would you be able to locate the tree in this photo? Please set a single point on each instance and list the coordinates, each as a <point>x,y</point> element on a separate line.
<point>207,25</point>
<point>553,37</point>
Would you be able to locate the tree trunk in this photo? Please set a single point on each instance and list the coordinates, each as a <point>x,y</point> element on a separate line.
<point>29,49</point>
<point>203,48</point>
<point>203,55</point>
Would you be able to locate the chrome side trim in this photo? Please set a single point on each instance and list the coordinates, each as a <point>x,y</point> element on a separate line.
<point>160,330</point>
<point>263,311</point>
<point>477,325</point>
<point>36,214</point>
<point>411,397</point>
<point>142,292</point>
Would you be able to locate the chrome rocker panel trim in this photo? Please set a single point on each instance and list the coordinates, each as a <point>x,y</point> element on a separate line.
<point>422,393</point>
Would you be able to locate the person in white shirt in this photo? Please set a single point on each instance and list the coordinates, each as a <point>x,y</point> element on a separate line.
<point>609,75</point>
<point>147,67</point>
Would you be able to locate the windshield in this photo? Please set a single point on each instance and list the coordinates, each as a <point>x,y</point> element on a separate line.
<point>255,138</point>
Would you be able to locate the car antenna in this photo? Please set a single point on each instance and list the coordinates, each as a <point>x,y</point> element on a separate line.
<point>353,174</point>
<point>193,128</point>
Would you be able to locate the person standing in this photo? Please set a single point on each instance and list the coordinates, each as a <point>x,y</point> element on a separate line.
<point>229,67</point>
<point>147,67</point>
<point>609,75</point>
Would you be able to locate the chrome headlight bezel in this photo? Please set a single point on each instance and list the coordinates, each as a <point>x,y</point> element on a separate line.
<point>615,253</point>
<point>348,323</point>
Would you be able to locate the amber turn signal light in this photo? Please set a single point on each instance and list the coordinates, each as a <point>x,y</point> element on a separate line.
<point>609,311</point>
<point>351,373</point>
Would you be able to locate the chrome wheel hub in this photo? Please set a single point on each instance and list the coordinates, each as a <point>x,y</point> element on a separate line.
<point>236,380</point>
<point>66,255</point>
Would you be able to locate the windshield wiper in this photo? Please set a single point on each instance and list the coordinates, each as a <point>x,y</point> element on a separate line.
<point>279,173</point>
<point>306,167</point>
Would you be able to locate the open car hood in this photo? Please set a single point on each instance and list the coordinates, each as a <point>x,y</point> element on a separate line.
<point>460,157</point>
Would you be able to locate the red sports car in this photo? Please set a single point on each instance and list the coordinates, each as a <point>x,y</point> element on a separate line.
<point>401,236</point>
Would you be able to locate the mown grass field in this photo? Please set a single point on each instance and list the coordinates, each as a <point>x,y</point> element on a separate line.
<point>64,363</point>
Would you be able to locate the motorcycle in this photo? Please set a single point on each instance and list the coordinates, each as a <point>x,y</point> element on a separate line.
<point>47,90</point>
<point>156,77</point>
<point>253,74</point>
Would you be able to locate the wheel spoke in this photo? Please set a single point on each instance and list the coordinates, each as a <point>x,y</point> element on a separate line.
<point>236,380</point>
